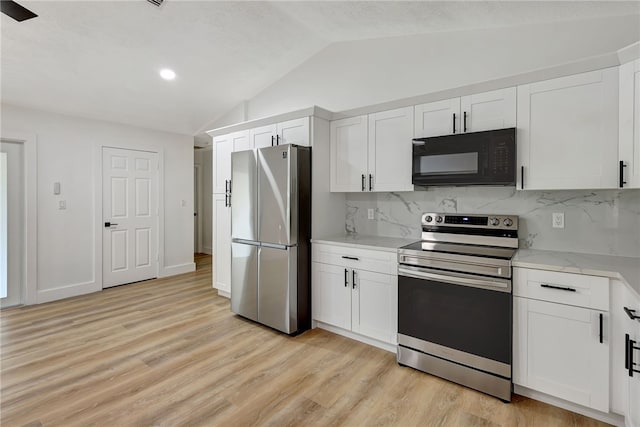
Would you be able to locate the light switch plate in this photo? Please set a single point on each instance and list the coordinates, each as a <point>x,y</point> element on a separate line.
<point>62,204</point>
<point>557,220</point>
<point>370,214</point>
<point>56,188</point>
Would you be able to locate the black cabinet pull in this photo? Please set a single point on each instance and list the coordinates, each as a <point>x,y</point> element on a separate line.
<point>370,182</point>
<point>109,224</point>
<point>631,313</point>
<point>272,140</point>
<point>226,195</point>
<point>630,346</point>
<point>464,121</point>
<point>454,122</point>
<point>363,187</point>
<point>229,187</point>
<point>522,177</point>
<point>353,279</point>
<point>601,320</point>
<point>226,185</point>
<point>561,288</point>
<point>346,278</point>
<point>351,257</point>
<point>277,139</point>
<point>622,181</point>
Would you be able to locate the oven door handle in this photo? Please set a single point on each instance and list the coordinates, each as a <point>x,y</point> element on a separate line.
<point>493,284</point>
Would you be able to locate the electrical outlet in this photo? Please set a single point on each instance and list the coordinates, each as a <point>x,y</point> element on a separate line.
<point>557,220</point>
<point>370,213</point>
<point>62,204</point>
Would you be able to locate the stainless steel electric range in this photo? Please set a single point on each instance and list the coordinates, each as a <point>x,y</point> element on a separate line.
<point>455,300</point>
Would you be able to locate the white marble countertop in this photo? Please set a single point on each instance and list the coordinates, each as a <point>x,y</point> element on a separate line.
<point>387,244</point>
<point>622,268</point>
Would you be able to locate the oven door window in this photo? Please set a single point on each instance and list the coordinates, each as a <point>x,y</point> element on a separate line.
<point>473,320</point>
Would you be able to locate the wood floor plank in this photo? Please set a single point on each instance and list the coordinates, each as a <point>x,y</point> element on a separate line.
<point>169,352</point>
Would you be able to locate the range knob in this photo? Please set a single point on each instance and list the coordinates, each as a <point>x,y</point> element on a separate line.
<point>428,218</point>
<point>438,218</point>
<point>494,221</point>
<point>508,222</point>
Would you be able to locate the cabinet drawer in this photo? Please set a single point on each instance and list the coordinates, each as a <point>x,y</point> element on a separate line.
<point>564,288</point>
<point>354,257</point>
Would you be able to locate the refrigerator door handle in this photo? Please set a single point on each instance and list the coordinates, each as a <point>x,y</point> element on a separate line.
<point>275,246</point>
<point>246,242</point>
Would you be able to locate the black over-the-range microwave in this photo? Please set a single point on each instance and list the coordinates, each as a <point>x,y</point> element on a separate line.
<point>474,158</point>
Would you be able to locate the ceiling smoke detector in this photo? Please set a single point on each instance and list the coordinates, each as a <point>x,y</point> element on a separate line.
<point>156,2</point>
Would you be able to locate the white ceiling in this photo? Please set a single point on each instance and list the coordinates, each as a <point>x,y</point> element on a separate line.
<point>100,59</point>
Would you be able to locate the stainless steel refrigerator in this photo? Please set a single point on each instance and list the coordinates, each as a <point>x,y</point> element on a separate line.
<point>270,231</point>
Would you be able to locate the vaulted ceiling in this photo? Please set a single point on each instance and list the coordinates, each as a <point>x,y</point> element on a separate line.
<point>100,59</point>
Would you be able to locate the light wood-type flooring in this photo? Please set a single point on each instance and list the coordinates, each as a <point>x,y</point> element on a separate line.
<point>169,352</point>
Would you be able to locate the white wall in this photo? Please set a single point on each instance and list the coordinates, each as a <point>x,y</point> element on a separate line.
<point>354,74</point>
<point>204,158</point>
<point>68,151</point>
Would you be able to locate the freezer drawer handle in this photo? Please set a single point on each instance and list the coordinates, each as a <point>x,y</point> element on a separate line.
<point>631,313</point>
<point>629,347</point>
<point>351,257</point>
<point>560,288</point>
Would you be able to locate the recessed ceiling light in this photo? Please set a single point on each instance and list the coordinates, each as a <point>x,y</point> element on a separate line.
<point>167,74</point>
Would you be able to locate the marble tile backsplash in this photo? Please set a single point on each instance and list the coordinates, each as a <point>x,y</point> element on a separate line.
<point>600,222</point>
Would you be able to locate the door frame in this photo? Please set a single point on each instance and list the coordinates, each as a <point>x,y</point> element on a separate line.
<point>98,220</point>
<point>199,206</point>
<point>30,250</point>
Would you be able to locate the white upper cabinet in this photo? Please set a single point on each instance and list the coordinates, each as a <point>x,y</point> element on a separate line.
<point>223,146</point>
<point>241,140</point>
<point>372,153</point>
<point>294,131</point>
<point>568,132</point>
<point>264,136</point>
<point>222,149</point>
<point>629,148</point>
<point>472,113</point>
<point>437,118</point>
<point>390,150</point>
<point>349,154</point>
<point>488,110</point>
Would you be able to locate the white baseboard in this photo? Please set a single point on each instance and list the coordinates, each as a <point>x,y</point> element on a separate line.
<point>224,294</point>
<point>47,295</point>
<point>172,270</point>
<point>207,250</point>
<point>610,418</point>
<point>357,337</point>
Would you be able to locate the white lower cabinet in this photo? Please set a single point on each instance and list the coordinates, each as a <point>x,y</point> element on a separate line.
<point>222,243</point>
<point>559,348</point>
<point>351,298</point>
<point>374,302</point>
<point>625,388</point>
<point>331,294</point>
<point>558,352</point>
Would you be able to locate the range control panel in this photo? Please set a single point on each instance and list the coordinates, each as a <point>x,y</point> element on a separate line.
<point>505,222</point>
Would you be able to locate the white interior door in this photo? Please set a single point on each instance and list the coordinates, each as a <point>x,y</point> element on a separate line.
<point>130,215</point>
<point>12,235</point>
